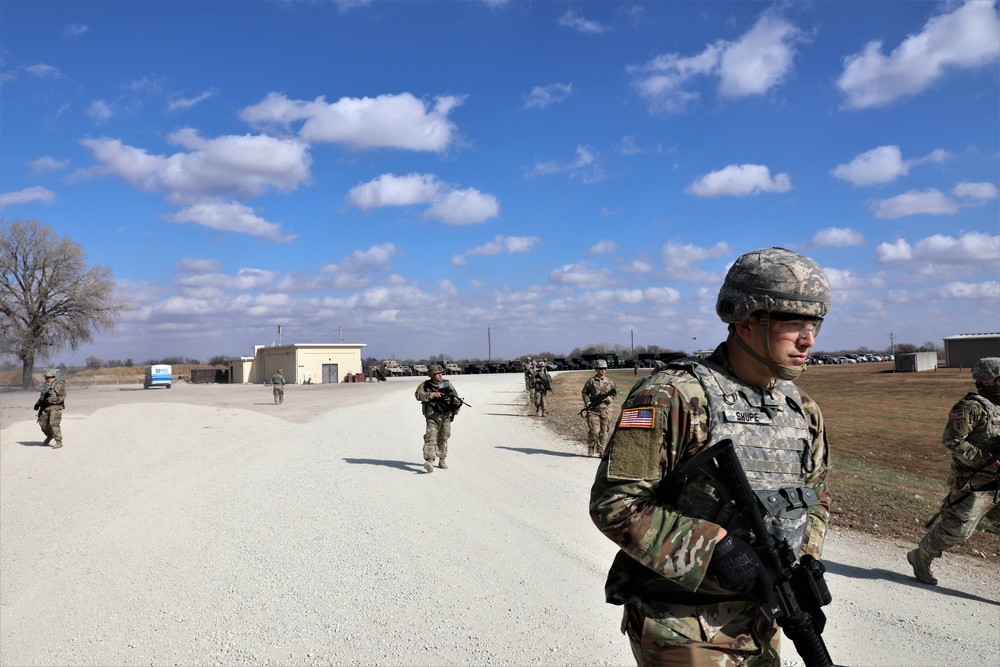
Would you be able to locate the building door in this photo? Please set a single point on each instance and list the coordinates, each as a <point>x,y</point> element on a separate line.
<point>330,375</point>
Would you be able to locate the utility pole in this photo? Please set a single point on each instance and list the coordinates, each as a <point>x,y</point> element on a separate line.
<point>279,334</point>
<point>489,346</point>
<point>341,329</point>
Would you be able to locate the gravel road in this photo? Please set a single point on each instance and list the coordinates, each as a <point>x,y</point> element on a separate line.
<point>203,525</point>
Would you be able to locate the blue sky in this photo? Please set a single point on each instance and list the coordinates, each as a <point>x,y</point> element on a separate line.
<point>505,178</point>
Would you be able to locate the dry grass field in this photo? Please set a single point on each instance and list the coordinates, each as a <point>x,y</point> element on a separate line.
<point>888,467</point>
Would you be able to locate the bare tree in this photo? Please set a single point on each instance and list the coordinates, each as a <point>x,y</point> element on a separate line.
<point>49,299</point>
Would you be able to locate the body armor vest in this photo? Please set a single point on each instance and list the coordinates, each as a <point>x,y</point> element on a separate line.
<point>988,439</point>
<point>770,434</point>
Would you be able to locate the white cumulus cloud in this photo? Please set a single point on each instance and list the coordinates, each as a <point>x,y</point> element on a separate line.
<point>446,203</point>
<point>36,193</point>
<point>837,237</point>
<point>387,121</point>
<point>941,249</point>
<point>230,217</point>
<point>915,202</point>
<point>760,60</point>
<point>739,180</point>
<point>965,38</point>
<point>544,96</point>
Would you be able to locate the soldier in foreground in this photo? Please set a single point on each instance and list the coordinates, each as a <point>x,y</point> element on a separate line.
<point>598,412</point>
<point>973,438</point>
<point>50,406</point>
<point>686,574</point>
<point>278,387</point>
<point>440,405</point>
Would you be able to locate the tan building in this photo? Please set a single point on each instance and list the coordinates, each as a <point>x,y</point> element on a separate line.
<point>301,363</point>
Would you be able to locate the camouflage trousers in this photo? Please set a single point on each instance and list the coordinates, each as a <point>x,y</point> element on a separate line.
<point>50,419</point>
<point>540,401</point>
<point>279,394</point>
<point>957,523</point>
<point>683,641</point>
<point>436,438</point>
<point>598,428</point>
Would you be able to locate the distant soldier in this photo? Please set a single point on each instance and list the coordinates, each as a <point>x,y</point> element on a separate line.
<point>543,385</point>
<point>440,405</point>
<point>529,381</point>
<point>599,415</point>
<point>973,438</point>
<point>50,406</point>
<point>278,387</point>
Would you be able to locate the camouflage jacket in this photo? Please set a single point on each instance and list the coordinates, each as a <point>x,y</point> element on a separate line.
<point>53,395</point>
<point>665,553</point>
<point>596,386</point>
<point>971,436</point>
<point>443,407</point>
<point>278,380</point>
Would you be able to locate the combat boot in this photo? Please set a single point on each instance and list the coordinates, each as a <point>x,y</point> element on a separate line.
<point>429,465</point>
<point>57,445</point>
<point>442,464</point>
<point>921,567</point>
<point>590,450</point>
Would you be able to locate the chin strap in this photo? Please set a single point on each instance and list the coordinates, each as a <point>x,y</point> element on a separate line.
<point>776,369</point>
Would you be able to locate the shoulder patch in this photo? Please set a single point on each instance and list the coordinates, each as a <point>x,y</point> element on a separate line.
<point>637,418</point>
<point>958,415</point>
<point>634,451</point>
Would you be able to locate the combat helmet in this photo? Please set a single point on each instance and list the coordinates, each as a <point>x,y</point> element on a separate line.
<point>50,373</point>
<point>600,363</point>
<point>767,281</point>
<point>434,370</point>
<point>986,369</point>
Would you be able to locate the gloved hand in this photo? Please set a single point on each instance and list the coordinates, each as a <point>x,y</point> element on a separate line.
<point>35,407</point>
<point>735,565</point>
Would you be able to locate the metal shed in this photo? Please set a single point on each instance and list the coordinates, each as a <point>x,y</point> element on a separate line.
<point>964,350</point>
<point>916,361</point>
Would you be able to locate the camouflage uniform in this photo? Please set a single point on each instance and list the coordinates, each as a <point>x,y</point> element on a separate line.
<point>542,386</point>
<point>667,528</point>
<point>529,382</point>
<point>278,387</point>
<point>666,545</point>
<point>972,435</point>
<point>599,418</point>
<point>50,405</point>
<point>438,414</point>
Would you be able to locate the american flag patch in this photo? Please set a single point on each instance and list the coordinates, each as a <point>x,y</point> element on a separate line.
<point>957,415</point>
<point>636,418</point>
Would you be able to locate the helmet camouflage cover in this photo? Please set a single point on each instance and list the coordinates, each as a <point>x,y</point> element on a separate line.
<point>434,370</point>
<point>986,369</point>
<point>600,363</point>
<point>50,372</point>
<point>773,279</point>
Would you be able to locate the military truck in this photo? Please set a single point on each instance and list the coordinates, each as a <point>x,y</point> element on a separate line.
<point>452,368</point>
<point>391,368</point>
<point>419,369</point>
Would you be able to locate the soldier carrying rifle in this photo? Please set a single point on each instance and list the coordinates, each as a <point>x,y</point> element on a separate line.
<point>50,406</point>
<point>700,578</point>
<point>440,405</point>
<point>972,435</point>
<point>597,395</point>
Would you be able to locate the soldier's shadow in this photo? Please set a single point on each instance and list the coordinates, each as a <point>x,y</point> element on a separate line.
<point>399,465</point>
<point>873,574</point>
<point>548,452</point>
<point>33,443</point>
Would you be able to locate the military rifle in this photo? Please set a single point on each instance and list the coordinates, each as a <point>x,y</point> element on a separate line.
<point>790,593</point>
<point>596,403</point>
